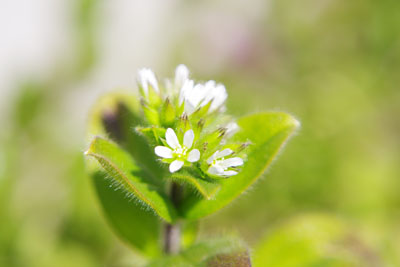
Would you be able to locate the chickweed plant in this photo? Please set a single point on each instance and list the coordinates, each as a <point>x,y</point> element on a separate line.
<point>163,160</point>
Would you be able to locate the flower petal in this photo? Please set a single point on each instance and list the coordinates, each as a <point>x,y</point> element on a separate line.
<point>213,156</point>
<point>175,165</point>
<point>232,162</point>
<point>215,170</point>
<point>146,78</point>
<point>163,151</point>
<point>214,93</point>
<point>229,173</point>
<point>186,90</point>
<point>194,155</point>
<point>219,97</point>
<point>197,95</point>
<point>231,129</point>
<point>181,75</point>
<point>223,153</point>
<point>172,139</point>
<point>188,139</point>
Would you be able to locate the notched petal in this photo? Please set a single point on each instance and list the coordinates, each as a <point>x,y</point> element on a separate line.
<point>194,155</point>
<point>181,75</point>
<point>146,77</point>
<point>163,151</point>
<point>175,166</point>
<point>232,162</point>
<point>229,173</point>
<point>213,156</point>
<point>188,139</point>
<point>223,153</point>
<point>171,138</point>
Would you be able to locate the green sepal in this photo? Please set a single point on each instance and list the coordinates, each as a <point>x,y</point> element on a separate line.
<point>211,142</point>
<point>182,126</point>
<point>152,115</point>
<point>168,114</point>
<point>180,109</point>
<point>198,127</point>
<point>201,112</point>
<point>154,98</point>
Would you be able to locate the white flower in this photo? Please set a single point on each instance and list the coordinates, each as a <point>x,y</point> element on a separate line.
<point>181,75</point>
<point>147,78</point>
<point>180,153</point>
<point>220,166</point>
<point>199,95</point>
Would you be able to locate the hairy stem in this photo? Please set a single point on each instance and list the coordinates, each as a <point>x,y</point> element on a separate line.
<point>172,234</point>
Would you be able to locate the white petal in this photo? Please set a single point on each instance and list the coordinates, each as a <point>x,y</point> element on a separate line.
<point>194,155</point>
<point>186,90</point>
<point>181,75</point>
<point>211,159</point>
<point>210,84</point>
<point>175,165</point>
<point>215,170</point>
<point>223,153</point>
<point>215,93</point>
<point>142,81</point>
<point>188,138</point>
<point>197,95</point>
<point>208,89</point>
<point>219,97</point>
<point>146,78</point>
<point>207,93</point>
<point>232,162</point>
<point>163,151</point>
<point>172,139</point>
<point>229,173</point>
<point>231,129</point>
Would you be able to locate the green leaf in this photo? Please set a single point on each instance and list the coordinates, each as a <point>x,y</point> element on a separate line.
<point>267,133</point>
<point>115,115</point>
<point>206,188</point>
<point>218,252</point>
<point>137,227</point>
<point>126,174</point>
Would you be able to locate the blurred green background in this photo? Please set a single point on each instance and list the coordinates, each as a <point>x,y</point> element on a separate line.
<point>331,199</point>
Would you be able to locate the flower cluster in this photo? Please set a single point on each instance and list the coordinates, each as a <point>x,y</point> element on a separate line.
<point>188,124</point>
